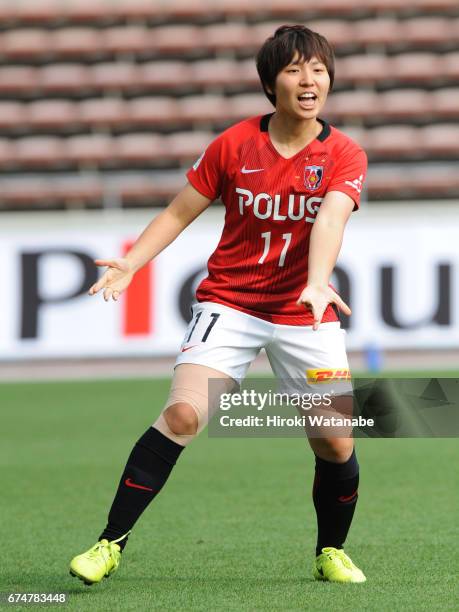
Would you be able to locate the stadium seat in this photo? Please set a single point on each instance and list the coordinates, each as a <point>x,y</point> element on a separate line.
<point>398,183</point>
<point>261,31</point>
<point>46,192</point>
<point>338,32</point>
<point>126,39</point>
<point>65,78</point>
<point>24,191</point>
<point>439,181</point>
<point>358,104</point>
<point>248,105</point>
<point>394,140</point>
<point>88,10</point>
<point>247,73</point>
<point>419,67</point>
<point>405,103</point>
<point>454,26</point>
<point>145,148</point>
<point>154,110</point>
<point>91,149</point>
<point>12,115</point>
<point>7,11</point>
<point>18,79</point>
<point>450,64</point>
<point>164,74</point>
<point>380,31</point>
<point>445,102</point>
<point>139,9</point>
<point>361,68</point>
<point>134,191</point>
<point>215,72</point>
<point>25,43</point>
<point>114,75</point>
<point>358,134</point>
<point>76,42</point>
<point>137,190</point>
<point>440,139</point>
<point>240,8</point>
<point>426,30</point>
<point>52,114</point>
<point>82,189</point>
<point>223,36</point>
<point>176,39</point>
<point>203,108</point>
<point>187,146</point>
<point>38,11</point>
<point>103,112</point>
<point>38,151</point>
<point>184,9</point>
<point>6,153</point>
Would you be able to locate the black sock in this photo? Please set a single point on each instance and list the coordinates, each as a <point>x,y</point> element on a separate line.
<point>335,497</point>
<point>147,469</point>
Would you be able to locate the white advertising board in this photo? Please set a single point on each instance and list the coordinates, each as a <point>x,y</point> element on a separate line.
<point>398,270</point>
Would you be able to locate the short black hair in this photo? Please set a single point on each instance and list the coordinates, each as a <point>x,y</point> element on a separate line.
<point>279,50</point>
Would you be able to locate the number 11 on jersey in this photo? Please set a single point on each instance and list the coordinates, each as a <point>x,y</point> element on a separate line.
<point>267,238</point>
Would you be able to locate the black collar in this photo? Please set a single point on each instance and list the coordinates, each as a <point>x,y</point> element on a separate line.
<point>324,134</point>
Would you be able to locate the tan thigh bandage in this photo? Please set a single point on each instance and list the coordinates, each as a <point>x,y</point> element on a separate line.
<point>190,385</point>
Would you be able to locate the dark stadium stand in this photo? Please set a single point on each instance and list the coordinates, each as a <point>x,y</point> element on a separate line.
<point>104,100</point>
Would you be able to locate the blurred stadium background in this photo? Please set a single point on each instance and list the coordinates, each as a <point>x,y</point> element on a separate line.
<point>106,103</point>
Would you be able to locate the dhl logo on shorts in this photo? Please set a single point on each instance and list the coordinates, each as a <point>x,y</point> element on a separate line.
<point>325,376</point>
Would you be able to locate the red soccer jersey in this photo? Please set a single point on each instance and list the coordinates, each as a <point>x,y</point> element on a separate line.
<point>260,265</point>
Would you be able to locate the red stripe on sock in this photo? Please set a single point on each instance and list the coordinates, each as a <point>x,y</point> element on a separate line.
<point>348,498</point>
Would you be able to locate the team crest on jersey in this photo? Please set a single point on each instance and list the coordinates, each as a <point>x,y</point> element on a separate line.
<point>313,177</point>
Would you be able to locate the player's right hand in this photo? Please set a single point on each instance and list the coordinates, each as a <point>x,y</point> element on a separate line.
<point>115,279</point>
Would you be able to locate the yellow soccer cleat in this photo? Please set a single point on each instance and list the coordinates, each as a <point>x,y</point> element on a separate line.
<point>98,562</point>
<point>335,566</point>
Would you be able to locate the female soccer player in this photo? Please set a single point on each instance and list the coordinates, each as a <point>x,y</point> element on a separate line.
<point>289,182</point>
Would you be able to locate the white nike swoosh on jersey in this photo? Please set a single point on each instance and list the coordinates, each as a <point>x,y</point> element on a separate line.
<point>244,170</point>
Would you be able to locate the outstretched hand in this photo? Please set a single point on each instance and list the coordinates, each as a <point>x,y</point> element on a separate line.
<point>316,299</point>
<point>115,279</point>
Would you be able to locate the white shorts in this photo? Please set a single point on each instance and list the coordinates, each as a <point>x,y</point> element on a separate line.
<point>229,340</point>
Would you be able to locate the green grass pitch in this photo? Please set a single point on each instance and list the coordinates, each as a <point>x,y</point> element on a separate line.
<point>234,527</point>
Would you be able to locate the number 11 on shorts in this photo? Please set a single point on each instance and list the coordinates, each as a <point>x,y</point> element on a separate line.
<point>214,317</point>
<point>267,238</point>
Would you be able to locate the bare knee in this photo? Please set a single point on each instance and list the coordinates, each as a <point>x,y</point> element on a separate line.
<point>336,450</point>
<point>181,419</point>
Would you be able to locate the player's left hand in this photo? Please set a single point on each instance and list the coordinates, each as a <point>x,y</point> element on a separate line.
<point>317,298</point>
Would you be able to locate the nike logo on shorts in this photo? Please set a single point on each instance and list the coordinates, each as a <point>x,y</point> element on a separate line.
<point>187,348</point>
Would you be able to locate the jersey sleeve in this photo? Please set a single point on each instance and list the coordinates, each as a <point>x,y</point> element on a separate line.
<point>350,173</point>
<point>207,172</point>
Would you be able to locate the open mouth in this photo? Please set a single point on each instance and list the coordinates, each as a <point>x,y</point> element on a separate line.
<point>307,100</point>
